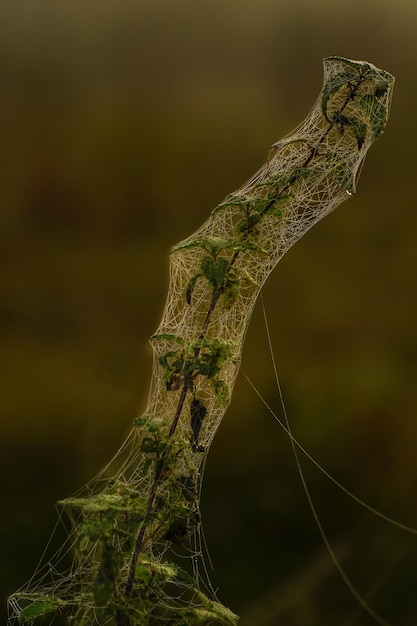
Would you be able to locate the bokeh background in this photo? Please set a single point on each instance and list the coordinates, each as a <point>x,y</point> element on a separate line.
<point>123,124</point>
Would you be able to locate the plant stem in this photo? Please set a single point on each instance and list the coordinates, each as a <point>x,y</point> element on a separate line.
<point>186,385</point>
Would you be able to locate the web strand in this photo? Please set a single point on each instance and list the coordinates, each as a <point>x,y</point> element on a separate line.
<point>296,446</point>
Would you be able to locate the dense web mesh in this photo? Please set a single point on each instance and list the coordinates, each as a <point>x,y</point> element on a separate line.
<point>131,524</point>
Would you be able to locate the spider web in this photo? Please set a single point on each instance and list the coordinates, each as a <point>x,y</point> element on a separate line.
<point>134,541</point>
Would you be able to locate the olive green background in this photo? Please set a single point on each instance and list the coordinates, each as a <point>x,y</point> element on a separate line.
<point>123,124</point>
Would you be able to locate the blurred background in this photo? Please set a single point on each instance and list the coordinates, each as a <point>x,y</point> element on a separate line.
<point>123,124</point>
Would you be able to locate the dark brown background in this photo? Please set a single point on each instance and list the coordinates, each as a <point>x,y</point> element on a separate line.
<point>122,125</point>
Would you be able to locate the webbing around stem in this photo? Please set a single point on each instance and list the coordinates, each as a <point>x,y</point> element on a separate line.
<point>123,531</point>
